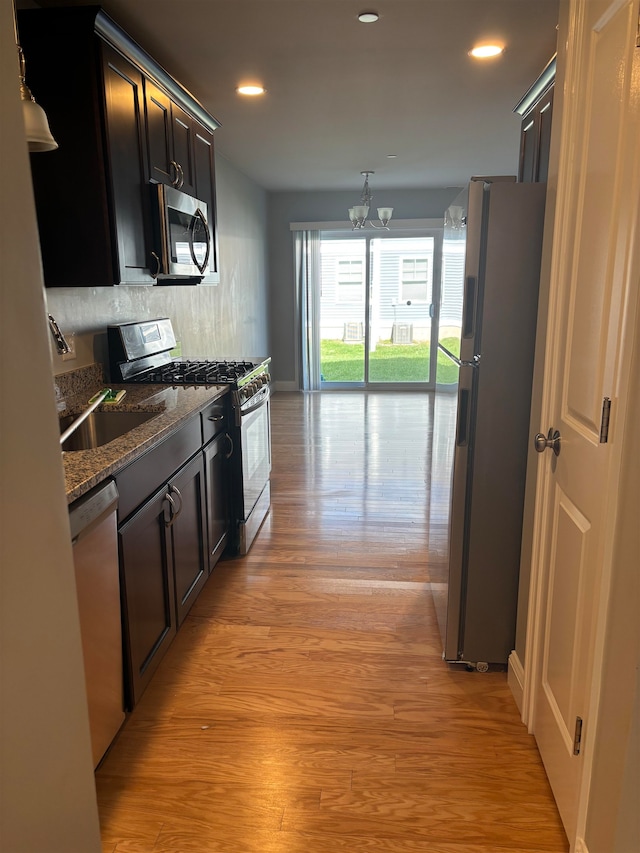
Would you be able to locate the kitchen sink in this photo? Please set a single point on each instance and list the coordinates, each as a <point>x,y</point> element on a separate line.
<point>101,427</point>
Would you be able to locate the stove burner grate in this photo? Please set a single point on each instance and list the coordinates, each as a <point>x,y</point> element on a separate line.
<point>197,372</point>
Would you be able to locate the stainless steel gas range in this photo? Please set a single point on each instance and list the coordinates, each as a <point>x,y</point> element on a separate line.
<point>141,352</point>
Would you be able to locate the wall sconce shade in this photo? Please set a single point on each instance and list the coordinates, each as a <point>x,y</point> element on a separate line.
<point>36,124</point>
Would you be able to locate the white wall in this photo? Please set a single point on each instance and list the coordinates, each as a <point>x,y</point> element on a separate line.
<point>47,804</point>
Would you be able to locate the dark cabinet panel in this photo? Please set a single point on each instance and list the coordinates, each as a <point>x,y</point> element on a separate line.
<point>544,121</point>
<point>170,132</point>
<point>73,215</point>
<point>173,499</point>
<point>121,121</point>
<point>183,127</point>
<point>159,147</point>
<point>217,471</point>
<point>156,467</point>
<point>181,154</point>
<point>124,101</point>
<point>536,109</point>
<point>189,535</point>
<point>535,140</point>
<point>205,190</point>
<point>148,593</point>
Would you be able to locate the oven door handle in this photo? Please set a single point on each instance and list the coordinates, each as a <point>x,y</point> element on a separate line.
<point>229,454</point>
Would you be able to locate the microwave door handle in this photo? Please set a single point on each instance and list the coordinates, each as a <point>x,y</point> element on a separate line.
<point>200,215</point>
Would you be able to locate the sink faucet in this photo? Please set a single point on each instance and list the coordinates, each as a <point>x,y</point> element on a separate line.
<point>61,344</point>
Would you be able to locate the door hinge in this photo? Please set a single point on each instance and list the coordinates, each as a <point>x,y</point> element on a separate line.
<point>577,737</point>
<point>604,422</point>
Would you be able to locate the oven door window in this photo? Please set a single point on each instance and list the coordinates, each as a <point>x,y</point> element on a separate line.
<point>256,456</point>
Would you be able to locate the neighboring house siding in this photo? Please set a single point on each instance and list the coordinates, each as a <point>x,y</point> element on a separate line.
<point>338,311</point>
<point>452,283</point>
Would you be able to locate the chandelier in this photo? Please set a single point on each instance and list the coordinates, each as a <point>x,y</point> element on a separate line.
<point>358,214</point>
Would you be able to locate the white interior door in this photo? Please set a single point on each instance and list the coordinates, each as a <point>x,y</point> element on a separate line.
<point>593,287</point>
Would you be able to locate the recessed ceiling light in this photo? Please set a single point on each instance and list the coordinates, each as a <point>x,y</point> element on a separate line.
<point>485,51</point>
<point>251,90</point>
<point>368,17</point>
<point>391,156</point>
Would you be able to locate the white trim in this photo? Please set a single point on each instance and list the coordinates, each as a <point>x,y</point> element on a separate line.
<point>397,225</point>
<point>515,678</point>
<point>628,263</point>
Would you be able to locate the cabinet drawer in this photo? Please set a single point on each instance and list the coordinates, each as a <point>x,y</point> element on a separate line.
<point>214,418</point>
<point>140,479</point>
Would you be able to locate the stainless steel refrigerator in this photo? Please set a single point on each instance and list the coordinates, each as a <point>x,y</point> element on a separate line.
<point>491,270</point>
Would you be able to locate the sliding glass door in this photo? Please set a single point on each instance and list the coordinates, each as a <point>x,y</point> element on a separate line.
<point>378,298</point>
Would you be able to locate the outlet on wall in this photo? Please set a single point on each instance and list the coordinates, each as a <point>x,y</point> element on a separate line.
<point>71,340</point>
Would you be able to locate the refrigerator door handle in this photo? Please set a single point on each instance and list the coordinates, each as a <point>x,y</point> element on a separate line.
<point>469,313</point>
<point>464,401</point>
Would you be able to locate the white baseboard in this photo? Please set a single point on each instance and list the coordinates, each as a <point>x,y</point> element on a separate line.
<point>281,385</point>
<point>515,679</point>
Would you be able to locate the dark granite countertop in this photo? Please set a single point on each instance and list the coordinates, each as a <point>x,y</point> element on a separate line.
<point>85,469</point>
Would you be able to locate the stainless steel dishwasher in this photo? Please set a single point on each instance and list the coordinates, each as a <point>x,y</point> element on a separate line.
<point>95,555</point>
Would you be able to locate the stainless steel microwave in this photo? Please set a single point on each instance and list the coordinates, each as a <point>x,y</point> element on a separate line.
<point>182,235</point>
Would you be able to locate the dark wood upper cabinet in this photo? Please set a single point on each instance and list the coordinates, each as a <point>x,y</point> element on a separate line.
<point>121,123</point>
<point>205,184</point>
<point>536,110</point>
<point>183,130</point>
<point>159,139</point>
<point>126,190</point>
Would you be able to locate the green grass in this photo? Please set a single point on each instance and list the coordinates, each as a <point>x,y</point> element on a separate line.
<point>389,362</point>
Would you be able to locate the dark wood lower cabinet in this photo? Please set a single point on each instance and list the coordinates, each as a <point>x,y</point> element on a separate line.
<point>148,593</point>
<point>163,567</point>
<point>217,472</point>
<point>174,516</point>
<point>188,535</point>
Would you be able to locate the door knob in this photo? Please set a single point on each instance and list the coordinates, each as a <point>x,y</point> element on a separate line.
<point>552,440</point>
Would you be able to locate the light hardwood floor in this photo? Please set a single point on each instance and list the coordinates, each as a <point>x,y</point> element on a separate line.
<point>304,706</point>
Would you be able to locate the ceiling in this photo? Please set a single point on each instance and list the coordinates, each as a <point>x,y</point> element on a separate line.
<point>342,95</point>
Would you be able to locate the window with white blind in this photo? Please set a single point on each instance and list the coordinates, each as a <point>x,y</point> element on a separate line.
<point>414,279</point>
<point>350,280</point>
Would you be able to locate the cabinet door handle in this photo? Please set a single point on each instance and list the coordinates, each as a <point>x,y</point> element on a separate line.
<point>216,418</point>
<point>175,174</point>
<point>174,513</point>
<point>180,176</point>
<point>155,274</point>
<point>230,453</point>
<point>176,491</point>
